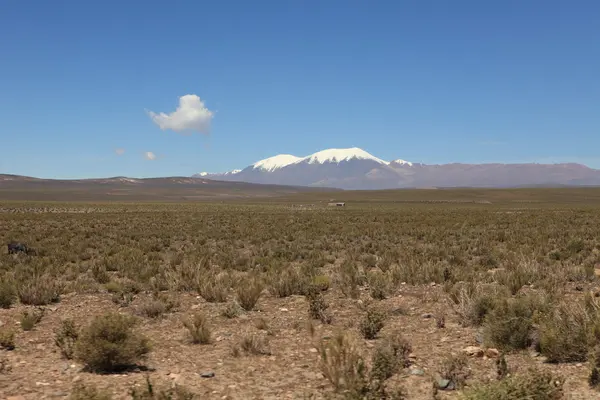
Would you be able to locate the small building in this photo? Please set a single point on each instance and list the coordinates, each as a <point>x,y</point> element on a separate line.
<point>339,204</point>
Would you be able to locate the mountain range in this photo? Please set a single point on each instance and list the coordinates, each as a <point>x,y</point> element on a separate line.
<point>356,169</point>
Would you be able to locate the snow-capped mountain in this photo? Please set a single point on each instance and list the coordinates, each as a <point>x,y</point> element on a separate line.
<point>273,163</point>
<point>354,168</point>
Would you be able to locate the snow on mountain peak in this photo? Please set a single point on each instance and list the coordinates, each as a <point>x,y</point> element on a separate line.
<point>402,162</point>
<point>276,162</point>
<point>338,155</point>
<point>202,173</point>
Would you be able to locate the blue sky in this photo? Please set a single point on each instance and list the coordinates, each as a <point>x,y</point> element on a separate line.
<point>426,81</point>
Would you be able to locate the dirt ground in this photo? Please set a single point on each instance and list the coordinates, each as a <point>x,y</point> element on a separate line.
<point>290,372</point>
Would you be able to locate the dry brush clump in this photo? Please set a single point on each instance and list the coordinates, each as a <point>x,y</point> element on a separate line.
<point>109,343</point>
<point>198,328</point>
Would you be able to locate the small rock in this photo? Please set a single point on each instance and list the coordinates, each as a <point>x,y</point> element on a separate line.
<point>443,383</point>
<point>579,365</point>
<point>209,374</point>
<point>427,315</point>
<point>473,351</point>
<point>432,284</point>
<point>412,356</point>
<point>492,353</point>
<point>42,384</point>
<point>16,398</point>
<point>174,376</point>
<point>313,350</point>
<point>76,379</point>
<point>283,309</point>
<point>417,371</point>
<point>479,338</point>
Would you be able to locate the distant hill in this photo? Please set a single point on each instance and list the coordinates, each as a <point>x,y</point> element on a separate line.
<point>16,187</point>
<point>356,169</point>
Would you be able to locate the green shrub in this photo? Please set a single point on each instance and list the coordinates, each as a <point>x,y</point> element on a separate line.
<point>372,323</point>
<point>65,338</point>
<point>109,344</point>
<point>8,294</point>
<point>31,318</point>
<point>509,326</point>
<point>566,333</point>
<point>390,356</point>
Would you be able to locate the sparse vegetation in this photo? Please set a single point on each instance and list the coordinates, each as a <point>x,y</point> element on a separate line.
<point>532,384</point>
<point>397,276</point>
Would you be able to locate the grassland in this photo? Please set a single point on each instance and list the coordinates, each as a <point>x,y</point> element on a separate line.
<point>432,294</point>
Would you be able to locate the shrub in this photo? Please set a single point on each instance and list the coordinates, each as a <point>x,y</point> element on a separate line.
<point>317,307</point>
<point>66,337</point>
<point>345,368</point>
<point>321,282</point>
<point>29,319</point>
<point>509,326</point>
<point>342,364</point>
<point>372,323</point>
<point>594,377</point>
<point>532,385</point>
<point>286,282</point>
<point>378,285</point>
<point>232,310</point>
<point>455,368</point>
<point>149,392</point>
<point>7,339</point>
<point>565,334</point>
<point>39,290</point>
<point>88,392</point>
<point>473,302</point>
<point>248,293</point>
<point>109,344</point>
<point>255,345</point>
<point>198,328</point>
<point>156,307</point>
<point>213,288</point>
<point>350,278</point>
<point>7,293</point>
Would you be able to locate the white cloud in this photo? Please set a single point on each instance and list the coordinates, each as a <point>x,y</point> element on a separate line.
<point>191,115</point>
<point>149,156</point>
<point>119,151</point>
